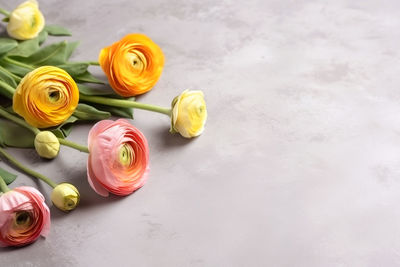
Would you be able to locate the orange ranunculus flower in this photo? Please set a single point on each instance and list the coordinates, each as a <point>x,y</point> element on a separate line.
<point>46,97</point>
<point>133,65</point>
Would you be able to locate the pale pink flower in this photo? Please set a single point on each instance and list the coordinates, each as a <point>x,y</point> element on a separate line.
<point>24,216</point>
<point>118,158</point>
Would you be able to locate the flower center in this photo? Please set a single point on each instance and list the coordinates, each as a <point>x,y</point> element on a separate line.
<point>69,202</point>
<point>22,218</point>
<point>126,155</point>
<point>200,110</point>
<point>54,95</point>
<point>33,22</point>
<point>138,61</point>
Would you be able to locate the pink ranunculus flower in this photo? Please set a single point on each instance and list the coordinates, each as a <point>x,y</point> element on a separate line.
<point>24,216</point>
<point>118,158</point>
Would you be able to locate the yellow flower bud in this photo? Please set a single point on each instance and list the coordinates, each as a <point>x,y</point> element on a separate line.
<point>65,196</point>
<point>189,114</point>
<point>26,21</point>
<point>47,145</point>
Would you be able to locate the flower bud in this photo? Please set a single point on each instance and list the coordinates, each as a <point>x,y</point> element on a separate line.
<point>26,21</point>
<point>47,144</point>
<point>65,196</point>
<point>189,114</point>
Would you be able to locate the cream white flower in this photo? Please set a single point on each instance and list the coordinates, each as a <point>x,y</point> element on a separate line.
<point>189,114</point>
<point>26,21</point>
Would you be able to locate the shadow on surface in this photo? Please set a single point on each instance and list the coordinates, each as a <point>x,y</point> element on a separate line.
<point>9,249</point>
<point>3,31</point>
<point>169,140</point>
<point>89,197</point>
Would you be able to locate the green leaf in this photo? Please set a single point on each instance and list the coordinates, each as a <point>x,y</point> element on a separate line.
<point>58,132</point>
<point>5,76</point>
<point>10,109</point>
<point>87,112</point>
<point>64,129</point>
<point>86,77</point>
<point>74,69</point>
<point>7,44</point>
<point>42,37</point>
<point>82,113</point>
<point>71,46</point>
<point>117,111</point>
<point>14,135</point>
<point>56,30</point>
<point>86,90</point>
<point>54,54</point>
<point>6,19</point>
<point>14,68</point>
<point>25,48</point>
<point>7,176</point>
<point>2,142</point>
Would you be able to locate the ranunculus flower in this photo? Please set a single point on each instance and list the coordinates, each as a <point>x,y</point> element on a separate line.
<point>189,114</point>
<point>46,97</point>
<point>65,196</point>
<point>26,21</point>
<point>24,216</point>
<point>118,158</point>
<point>133,65</point>
<point>47,145</point>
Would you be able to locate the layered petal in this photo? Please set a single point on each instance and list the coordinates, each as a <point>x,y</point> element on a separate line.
<point>46,97</point>
<point>26,21</point>
<point>189,114</point>
<point>24,216</point>
<point>133,65</point>
<point>119,158</point>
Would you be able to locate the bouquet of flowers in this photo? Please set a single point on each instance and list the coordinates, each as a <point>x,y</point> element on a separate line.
<point>43,94</point>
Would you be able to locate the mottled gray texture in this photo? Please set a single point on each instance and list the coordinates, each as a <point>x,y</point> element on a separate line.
<point>299,164</point>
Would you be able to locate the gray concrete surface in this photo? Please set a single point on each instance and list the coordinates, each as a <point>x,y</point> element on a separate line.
<point>299,164</point>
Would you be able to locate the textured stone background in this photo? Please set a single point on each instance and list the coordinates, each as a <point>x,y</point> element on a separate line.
<point>299,164</point>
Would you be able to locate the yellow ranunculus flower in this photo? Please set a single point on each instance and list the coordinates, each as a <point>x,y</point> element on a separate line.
<point>46,97</point>
<point>133,65</point>
<point>189,114</point>
<point>26,21</point>
<point>47,145</point>
<point>65,196</point>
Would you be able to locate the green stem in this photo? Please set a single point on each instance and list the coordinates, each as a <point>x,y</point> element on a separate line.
<point>17,120</point>
<point>17,63</point>
<point>23,123</point>
<point>94,63</point>
<point>15,77</point>
<point>124,103</point>
<point>26,169</point>
<point>73,145</point>
<point>9,89</point>
<point>4,12</point>
<point>3,186</point>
